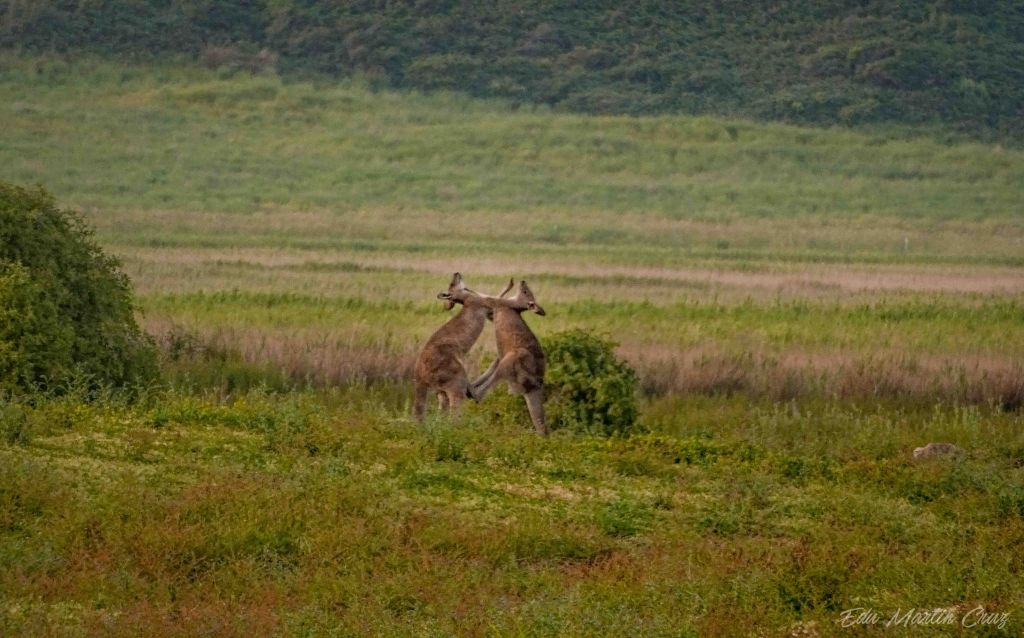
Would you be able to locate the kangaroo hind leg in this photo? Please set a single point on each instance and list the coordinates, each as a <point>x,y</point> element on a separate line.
<point>456,393</point>
<point>481,380</point>
<point>500,369</point>
<point>535,404</point>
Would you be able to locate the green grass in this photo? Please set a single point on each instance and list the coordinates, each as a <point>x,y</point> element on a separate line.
<point>316,514</point>
<point>169,138</point>
<point>337,167</point>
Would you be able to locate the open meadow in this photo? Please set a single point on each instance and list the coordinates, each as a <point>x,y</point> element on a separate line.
<point>803,307</point>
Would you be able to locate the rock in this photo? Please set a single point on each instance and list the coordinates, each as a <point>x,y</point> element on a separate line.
<point>936,450</point>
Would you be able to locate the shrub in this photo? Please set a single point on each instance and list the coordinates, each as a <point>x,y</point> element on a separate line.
<point>66,314</point>
<point>589,388</point>
<point>34,343</point>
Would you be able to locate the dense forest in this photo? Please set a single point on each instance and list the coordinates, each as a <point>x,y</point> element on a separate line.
<point>954,62</point>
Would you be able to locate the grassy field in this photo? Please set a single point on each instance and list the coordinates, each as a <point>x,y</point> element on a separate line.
<point>804,307</point>
<point>310,225</point>
<point>327,515</point>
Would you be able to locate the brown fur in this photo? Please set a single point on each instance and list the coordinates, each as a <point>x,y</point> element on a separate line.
<point>520,360</point>
<point>440,367</point>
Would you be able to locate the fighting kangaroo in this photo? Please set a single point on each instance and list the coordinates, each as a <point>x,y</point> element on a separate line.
<point>520,359</point>
<point>440,367</point>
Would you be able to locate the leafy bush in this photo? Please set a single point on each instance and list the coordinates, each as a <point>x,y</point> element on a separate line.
<point>34,343</point>
<point>589,388</point>
<point>66,312</point>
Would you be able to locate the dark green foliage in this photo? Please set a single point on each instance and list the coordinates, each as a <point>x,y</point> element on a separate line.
<point>129,26</point>
<point>589,388</point>
<point>66,312</point>
<point>960,63</point>
<point>34,343</point>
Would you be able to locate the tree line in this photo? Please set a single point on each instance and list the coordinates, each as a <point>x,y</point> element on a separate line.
<point>957,63</point>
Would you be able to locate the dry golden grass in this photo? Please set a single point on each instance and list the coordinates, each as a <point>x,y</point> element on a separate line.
<point>323,357</point>
<point>341,272</point>
<point>288,307</point>
<point>799,374</point>
<point>624,238</point>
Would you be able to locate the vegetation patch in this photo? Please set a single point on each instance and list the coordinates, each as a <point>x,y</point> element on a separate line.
<point>589,388</point>
<point>66,310</point>
<point>395,528</point>
<point>827,63</point>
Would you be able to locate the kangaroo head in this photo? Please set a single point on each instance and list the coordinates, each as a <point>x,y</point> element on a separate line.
<point>457,292</point>
<point>526,300</point>
<point>523,301</point>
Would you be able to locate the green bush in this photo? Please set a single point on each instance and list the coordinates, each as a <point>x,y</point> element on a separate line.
<point>66,314</point>
<point>34,343</point>
<point>589,389</point>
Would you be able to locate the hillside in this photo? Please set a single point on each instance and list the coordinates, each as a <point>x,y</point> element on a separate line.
<point>959,64</point>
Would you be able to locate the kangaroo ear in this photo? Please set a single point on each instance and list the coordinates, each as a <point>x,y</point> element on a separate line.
<point>457,281</point>
<point>524,290</point>
<point>446,297</point>
<point>508,288</point>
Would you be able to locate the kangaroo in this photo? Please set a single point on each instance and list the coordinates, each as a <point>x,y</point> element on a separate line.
<point>440,367</point>
<point>520,359</point>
